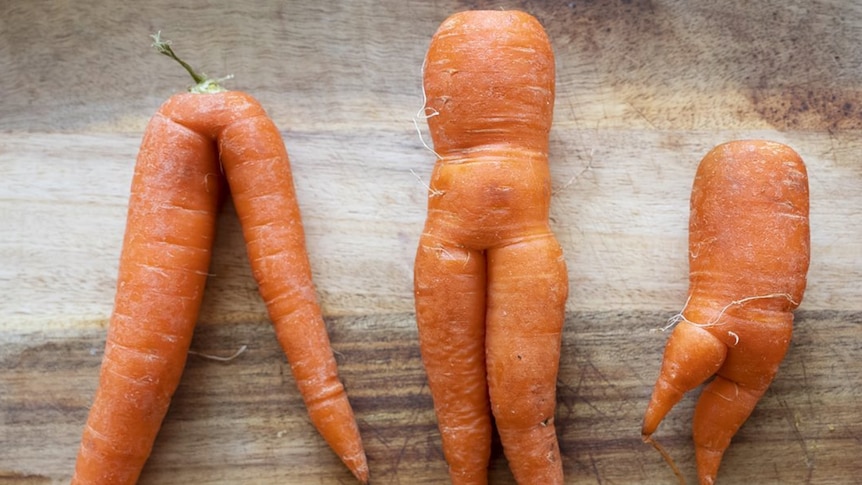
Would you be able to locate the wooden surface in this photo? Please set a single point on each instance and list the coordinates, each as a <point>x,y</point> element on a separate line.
<point>644,90</point>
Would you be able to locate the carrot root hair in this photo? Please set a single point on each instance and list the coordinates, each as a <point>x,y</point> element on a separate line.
<point>219,358</point>
<point>667,458</point>
<point>423,114</point>
<point>715,322</point>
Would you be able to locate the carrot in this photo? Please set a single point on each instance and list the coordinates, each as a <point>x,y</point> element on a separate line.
<point>490,281</point>
<point>748,261</point>
<point>163,269</point>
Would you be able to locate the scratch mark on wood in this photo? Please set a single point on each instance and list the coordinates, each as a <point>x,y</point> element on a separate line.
<point>791,418</point>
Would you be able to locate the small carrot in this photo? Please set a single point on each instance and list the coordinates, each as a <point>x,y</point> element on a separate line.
<point>490,281</point>
<point>163,269</point>
<point>748,261</point>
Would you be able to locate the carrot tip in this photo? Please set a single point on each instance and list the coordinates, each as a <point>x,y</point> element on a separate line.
<point>361,475</point>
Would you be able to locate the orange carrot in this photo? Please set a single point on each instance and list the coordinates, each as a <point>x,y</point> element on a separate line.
<point>163,269</point>
<point>490,279</point>
<point>748,261</point>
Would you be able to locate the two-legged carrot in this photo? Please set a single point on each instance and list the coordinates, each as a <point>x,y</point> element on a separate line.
<point>748,261</point>
<point>163,269</point>
<point>490,279</point>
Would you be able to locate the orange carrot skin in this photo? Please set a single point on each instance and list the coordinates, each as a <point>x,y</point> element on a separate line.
<point>452,343</point>
<point>748,257</point>
<point>258,172</point>
<point>162,273</point>
<point>490,280</point>
<point>253,155</point>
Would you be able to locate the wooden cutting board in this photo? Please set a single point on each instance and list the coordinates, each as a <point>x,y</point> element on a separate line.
<point>644,89</point>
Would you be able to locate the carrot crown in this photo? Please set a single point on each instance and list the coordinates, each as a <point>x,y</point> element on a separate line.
<point>203,83</point>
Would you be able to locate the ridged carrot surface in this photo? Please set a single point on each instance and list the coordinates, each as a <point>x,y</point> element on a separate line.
<point>749,253</point>
<point>490,279</point>
<point>163,269</point>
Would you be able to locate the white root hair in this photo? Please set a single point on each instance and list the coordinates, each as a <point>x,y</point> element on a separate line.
<point>715,322</point>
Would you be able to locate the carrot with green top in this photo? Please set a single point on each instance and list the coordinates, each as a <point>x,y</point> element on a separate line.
<point>490,280</point>
<point>167,247</point>
<point>748,261</point>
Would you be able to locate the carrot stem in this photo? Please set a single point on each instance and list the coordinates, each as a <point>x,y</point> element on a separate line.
<point>203,83</point>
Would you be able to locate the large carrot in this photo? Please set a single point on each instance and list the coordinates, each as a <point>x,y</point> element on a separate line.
<point>748,261</point>
<point>163,269</point>
<point>490,279</point>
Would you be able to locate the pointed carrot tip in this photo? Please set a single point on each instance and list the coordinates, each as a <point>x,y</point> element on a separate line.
<point>708,462</point>
<point>360,471</point>
<point>651,420</point>
<point>362,477</point>
<point>664,397</point>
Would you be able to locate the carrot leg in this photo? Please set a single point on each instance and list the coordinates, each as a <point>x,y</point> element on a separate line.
<point>727,402</point>
<point>162,274</point>
<point>721,409</point>
<point>258,173</point>
<point>691,356</point>
<point>450,313</point>
<point>527,289</point>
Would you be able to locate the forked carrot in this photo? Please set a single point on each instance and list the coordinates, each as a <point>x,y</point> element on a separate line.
<point>163,269</point>
<point>490,279</point>
<point>748,261</point>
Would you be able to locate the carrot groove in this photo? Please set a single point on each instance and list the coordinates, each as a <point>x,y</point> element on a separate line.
<point>748,258</point>
<point>490,281</point>
<point>163,269</point>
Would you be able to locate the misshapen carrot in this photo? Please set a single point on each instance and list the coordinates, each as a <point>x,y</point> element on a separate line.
<point>748,261</point>
<point>163,269</point>
<point>490,279</point>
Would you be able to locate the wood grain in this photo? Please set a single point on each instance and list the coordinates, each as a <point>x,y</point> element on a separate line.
<point>243,421</point>
<point>644,90</point>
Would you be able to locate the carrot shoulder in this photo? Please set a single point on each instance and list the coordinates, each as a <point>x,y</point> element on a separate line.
<point>178,174</point>
<point>748,260</point>
<point>490,280</point>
